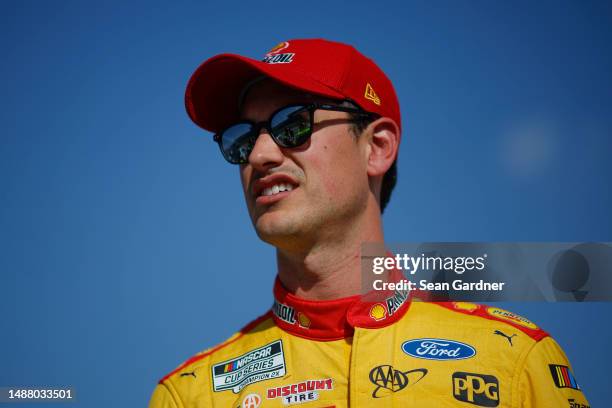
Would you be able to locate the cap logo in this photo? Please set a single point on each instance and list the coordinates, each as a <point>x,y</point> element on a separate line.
<point>278,48</point>
<point>371,95</point>
<point>275,57</point>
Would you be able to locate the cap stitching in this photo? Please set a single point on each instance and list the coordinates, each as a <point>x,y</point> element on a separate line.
<point>348,60</point>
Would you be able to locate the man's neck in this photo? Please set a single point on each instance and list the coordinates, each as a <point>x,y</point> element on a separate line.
<point>330,269</point>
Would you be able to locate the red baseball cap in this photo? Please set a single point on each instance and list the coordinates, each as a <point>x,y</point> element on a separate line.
<point>317,66</point>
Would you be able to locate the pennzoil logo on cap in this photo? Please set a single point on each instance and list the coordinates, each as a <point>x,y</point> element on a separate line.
<point>278,48</point>
<point>370,94</point>
<point>274,56</point>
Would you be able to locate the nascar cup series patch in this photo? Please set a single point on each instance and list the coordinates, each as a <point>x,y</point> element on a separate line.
<point>261,364</point>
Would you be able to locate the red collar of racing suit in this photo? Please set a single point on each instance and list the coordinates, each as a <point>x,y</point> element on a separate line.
<point>327,320</point>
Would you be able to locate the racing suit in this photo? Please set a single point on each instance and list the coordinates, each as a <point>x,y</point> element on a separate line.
<point>392,351</point>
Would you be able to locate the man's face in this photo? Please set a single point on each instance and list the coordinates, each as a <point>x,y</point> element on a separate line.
<point>325,179</point>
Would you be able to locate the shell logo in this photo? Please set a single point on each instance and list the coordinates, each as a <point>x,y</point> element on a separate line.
<point>251,401</point>
<point>303,320</point>
<point>465,306</point>
<point>278,48</point>
<point>378,312</point>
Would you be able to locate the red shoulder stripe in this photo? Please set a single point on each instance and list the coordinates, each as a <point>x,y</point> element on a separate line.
<point>242,332</point>
<point>498,315</point>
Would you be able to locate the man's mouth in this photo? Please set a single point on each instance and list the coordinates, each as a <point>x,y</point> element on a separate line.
<point>276,188</point>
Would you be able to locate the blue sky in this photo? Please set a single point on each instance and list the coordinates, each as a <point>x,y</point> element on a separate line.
<point>126,246</point>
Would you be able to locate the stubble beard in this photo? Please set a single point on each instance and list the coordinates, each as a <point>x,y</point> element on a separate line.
<point>292,230</point>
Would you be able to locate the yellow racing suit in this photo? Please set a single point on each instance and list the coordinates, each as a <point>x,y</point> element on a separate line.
<point>392,351</point>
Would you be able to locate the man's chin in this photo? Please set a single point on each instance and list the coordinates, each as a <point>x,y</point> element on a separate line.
<point>276,229</point>
<point>267,229</point>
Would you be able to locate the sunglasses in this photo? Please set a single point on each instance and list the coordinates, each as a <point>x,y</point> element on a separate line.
<point>289,126</point>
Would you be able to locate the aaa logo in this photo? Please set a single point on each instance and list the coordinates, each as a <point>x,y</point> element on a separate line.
<point>385,377</point>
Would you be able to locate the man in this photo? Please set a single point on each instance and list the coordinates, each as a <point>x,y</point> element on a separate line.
<point>315,128</point>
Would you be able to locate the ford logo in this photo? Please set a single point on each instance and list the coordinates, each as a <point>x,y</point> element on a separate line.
<point>438,349</point>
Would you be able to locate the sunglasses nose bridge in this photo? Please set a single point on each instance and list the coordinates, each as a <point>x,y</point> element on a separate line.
<point>266,151</point>
<point>259,126</point>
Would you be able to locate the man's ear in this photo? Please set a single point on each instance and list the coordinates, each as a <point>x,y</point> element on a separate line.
<point>384,143</point>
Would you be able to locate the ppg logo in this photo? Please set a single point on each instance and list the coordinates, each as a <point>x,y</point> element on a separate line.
<point>477,389</point>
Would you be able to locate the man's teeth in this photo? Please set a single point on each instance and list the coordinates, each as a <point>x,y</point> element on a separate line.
<point>275,189</point>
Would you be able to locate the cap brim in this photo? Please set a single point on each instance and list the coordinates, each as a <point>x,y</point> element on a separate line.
<point>214,89</point>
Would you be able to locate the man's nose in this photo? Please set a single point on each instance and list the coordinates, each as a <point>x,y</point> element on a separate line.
<point>266,153</point>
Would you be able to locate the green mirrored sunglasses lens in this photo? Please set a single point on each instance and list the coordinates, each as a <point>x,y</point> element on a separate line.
<point>237,143</point>
<point>291,126</point>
